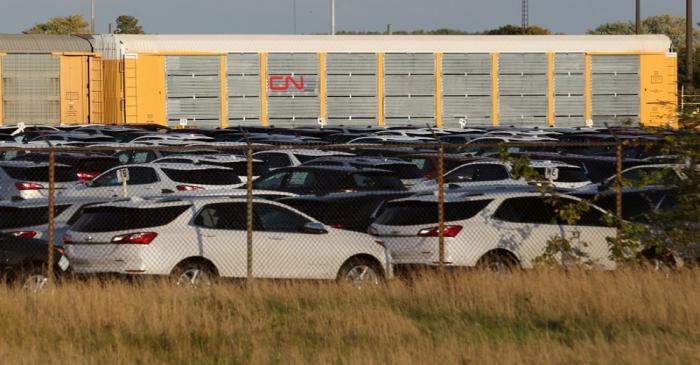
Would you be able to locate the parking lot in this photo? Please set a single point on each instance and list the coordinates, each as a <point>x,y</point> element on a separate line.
<point>347,204</point>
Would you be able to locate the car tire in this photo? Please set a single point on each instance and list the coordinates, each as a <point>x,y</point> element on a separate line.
<point>499,262</point>
<point>193,274</point>
<point>360,272</point>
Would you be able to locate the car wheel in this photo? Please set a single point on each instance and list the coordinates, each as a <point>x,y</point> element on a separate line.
<point>34,278</point>
<point>360,272</point>
<point>193,275</point>
<point>661,261</point>
<point>497,262</point>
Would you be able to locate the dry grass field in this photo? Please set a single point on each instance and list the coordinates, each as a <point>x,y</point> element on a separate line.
<point>539,317</point>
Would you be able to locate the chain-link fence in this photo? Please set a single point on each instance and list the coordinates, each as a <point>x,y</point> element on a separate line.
<point>350,212</point>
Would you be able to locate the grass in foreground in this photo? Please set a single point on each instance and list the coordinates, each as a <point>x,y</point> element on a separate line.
<point>633,317</point>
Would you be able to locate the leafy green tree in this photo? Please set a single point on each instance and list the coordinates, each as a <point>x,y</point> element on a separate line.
<point>613,28</point>
<point>511,29</point>
<point>127,24</point>
<point>71,24</point>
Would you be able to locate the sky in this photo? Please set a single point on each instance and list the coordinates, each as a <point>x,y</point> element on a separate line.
<point>312,16</point>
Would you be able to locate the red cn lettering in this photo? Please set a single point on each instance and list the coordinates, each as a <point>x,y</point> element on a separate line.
<point>276,83</point>
<point>274,87</point>
<point>299,86</point>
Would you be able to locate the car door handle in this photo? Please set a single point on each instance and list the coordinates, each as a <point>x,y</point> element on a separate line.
<point>209,235</point>
<point>276,238</point>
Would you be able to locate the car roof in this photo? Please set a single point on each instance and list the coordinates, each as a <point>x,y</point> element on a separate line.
<point>16,163</point>
<point>487,191</point>
<point>176,201</point>
<point>178,166</point>
<point>28,203</point>
<point>347,169</point>
<point>364,160</point>
<point>310,152</point>
<point>547,163</point>
<point>204,158</point>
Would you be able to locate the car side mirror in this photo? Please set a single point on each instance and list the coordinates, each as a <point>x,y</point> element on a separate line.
<point>315,228</point>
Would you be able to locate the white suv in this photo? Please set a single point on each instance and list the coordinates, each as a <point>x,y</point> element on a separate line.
<point>29,180</point>
<point>198,239</point>
<point>155,179</point>
<point>491,227</point>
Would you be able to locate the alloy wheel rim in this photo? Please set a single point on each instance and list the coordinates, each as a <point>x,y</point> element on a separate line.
<point>194,278</point>
<point>35,282</point>
<point>361,275</point>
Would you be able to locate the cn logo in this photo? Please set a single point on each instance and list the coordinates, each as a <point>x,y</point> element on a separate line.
<point>282,83</point>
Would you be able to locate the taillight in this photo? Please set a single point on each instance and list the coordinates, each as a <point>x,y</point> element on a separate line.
<point>450,231</point>
<point>372,231</point>
<point>337,225</point>
<point>24,234</point>
<point>59,250</point>
<point>28,186</point>
<point>136,238</point>
<point>86,176</point>
<point>188,188</point>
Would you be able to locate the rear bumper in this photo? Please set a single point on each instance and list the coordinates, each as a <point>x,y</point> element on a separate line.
<point>105,258</point>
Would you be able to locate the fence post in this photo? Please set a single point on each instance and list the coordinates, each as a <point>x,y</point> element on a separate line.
<point>52,232</point>
<point>441,204</point>
<point>618,192</point>
<point>441,197</point>
<point>249,210</point>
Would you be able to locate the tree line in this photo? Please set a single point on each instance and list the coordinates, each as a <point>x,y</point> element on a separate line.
<point>76,24</point>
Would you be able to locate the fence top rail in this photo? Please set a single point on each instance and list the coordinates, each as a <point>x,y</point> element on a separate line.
<point>336,147</point>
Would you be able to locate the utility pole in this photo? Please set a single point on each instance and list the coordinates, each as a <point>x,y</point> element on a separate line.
<point>526,16</point>
<point>332,17</point>
<point>92,12</point>
<point>638,17</point>
<point>689,44</point>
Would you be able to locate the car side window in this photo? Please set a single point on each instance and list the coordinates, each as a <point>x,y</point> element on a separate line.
<point>633,175</point>
<point>491,173</point>
<point>274,160</point>
<point>271,182</point>
<point>272,218</point>
<point>462,174</point>
<point>423,164</point>
<point>124,157</point>
<point>78,213</point>
<point>144,157</point>
<point>229,216</point>
<point>301,180</point>
<point>107,179</point>
<point>142,176</point>
<point>526,210</point>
